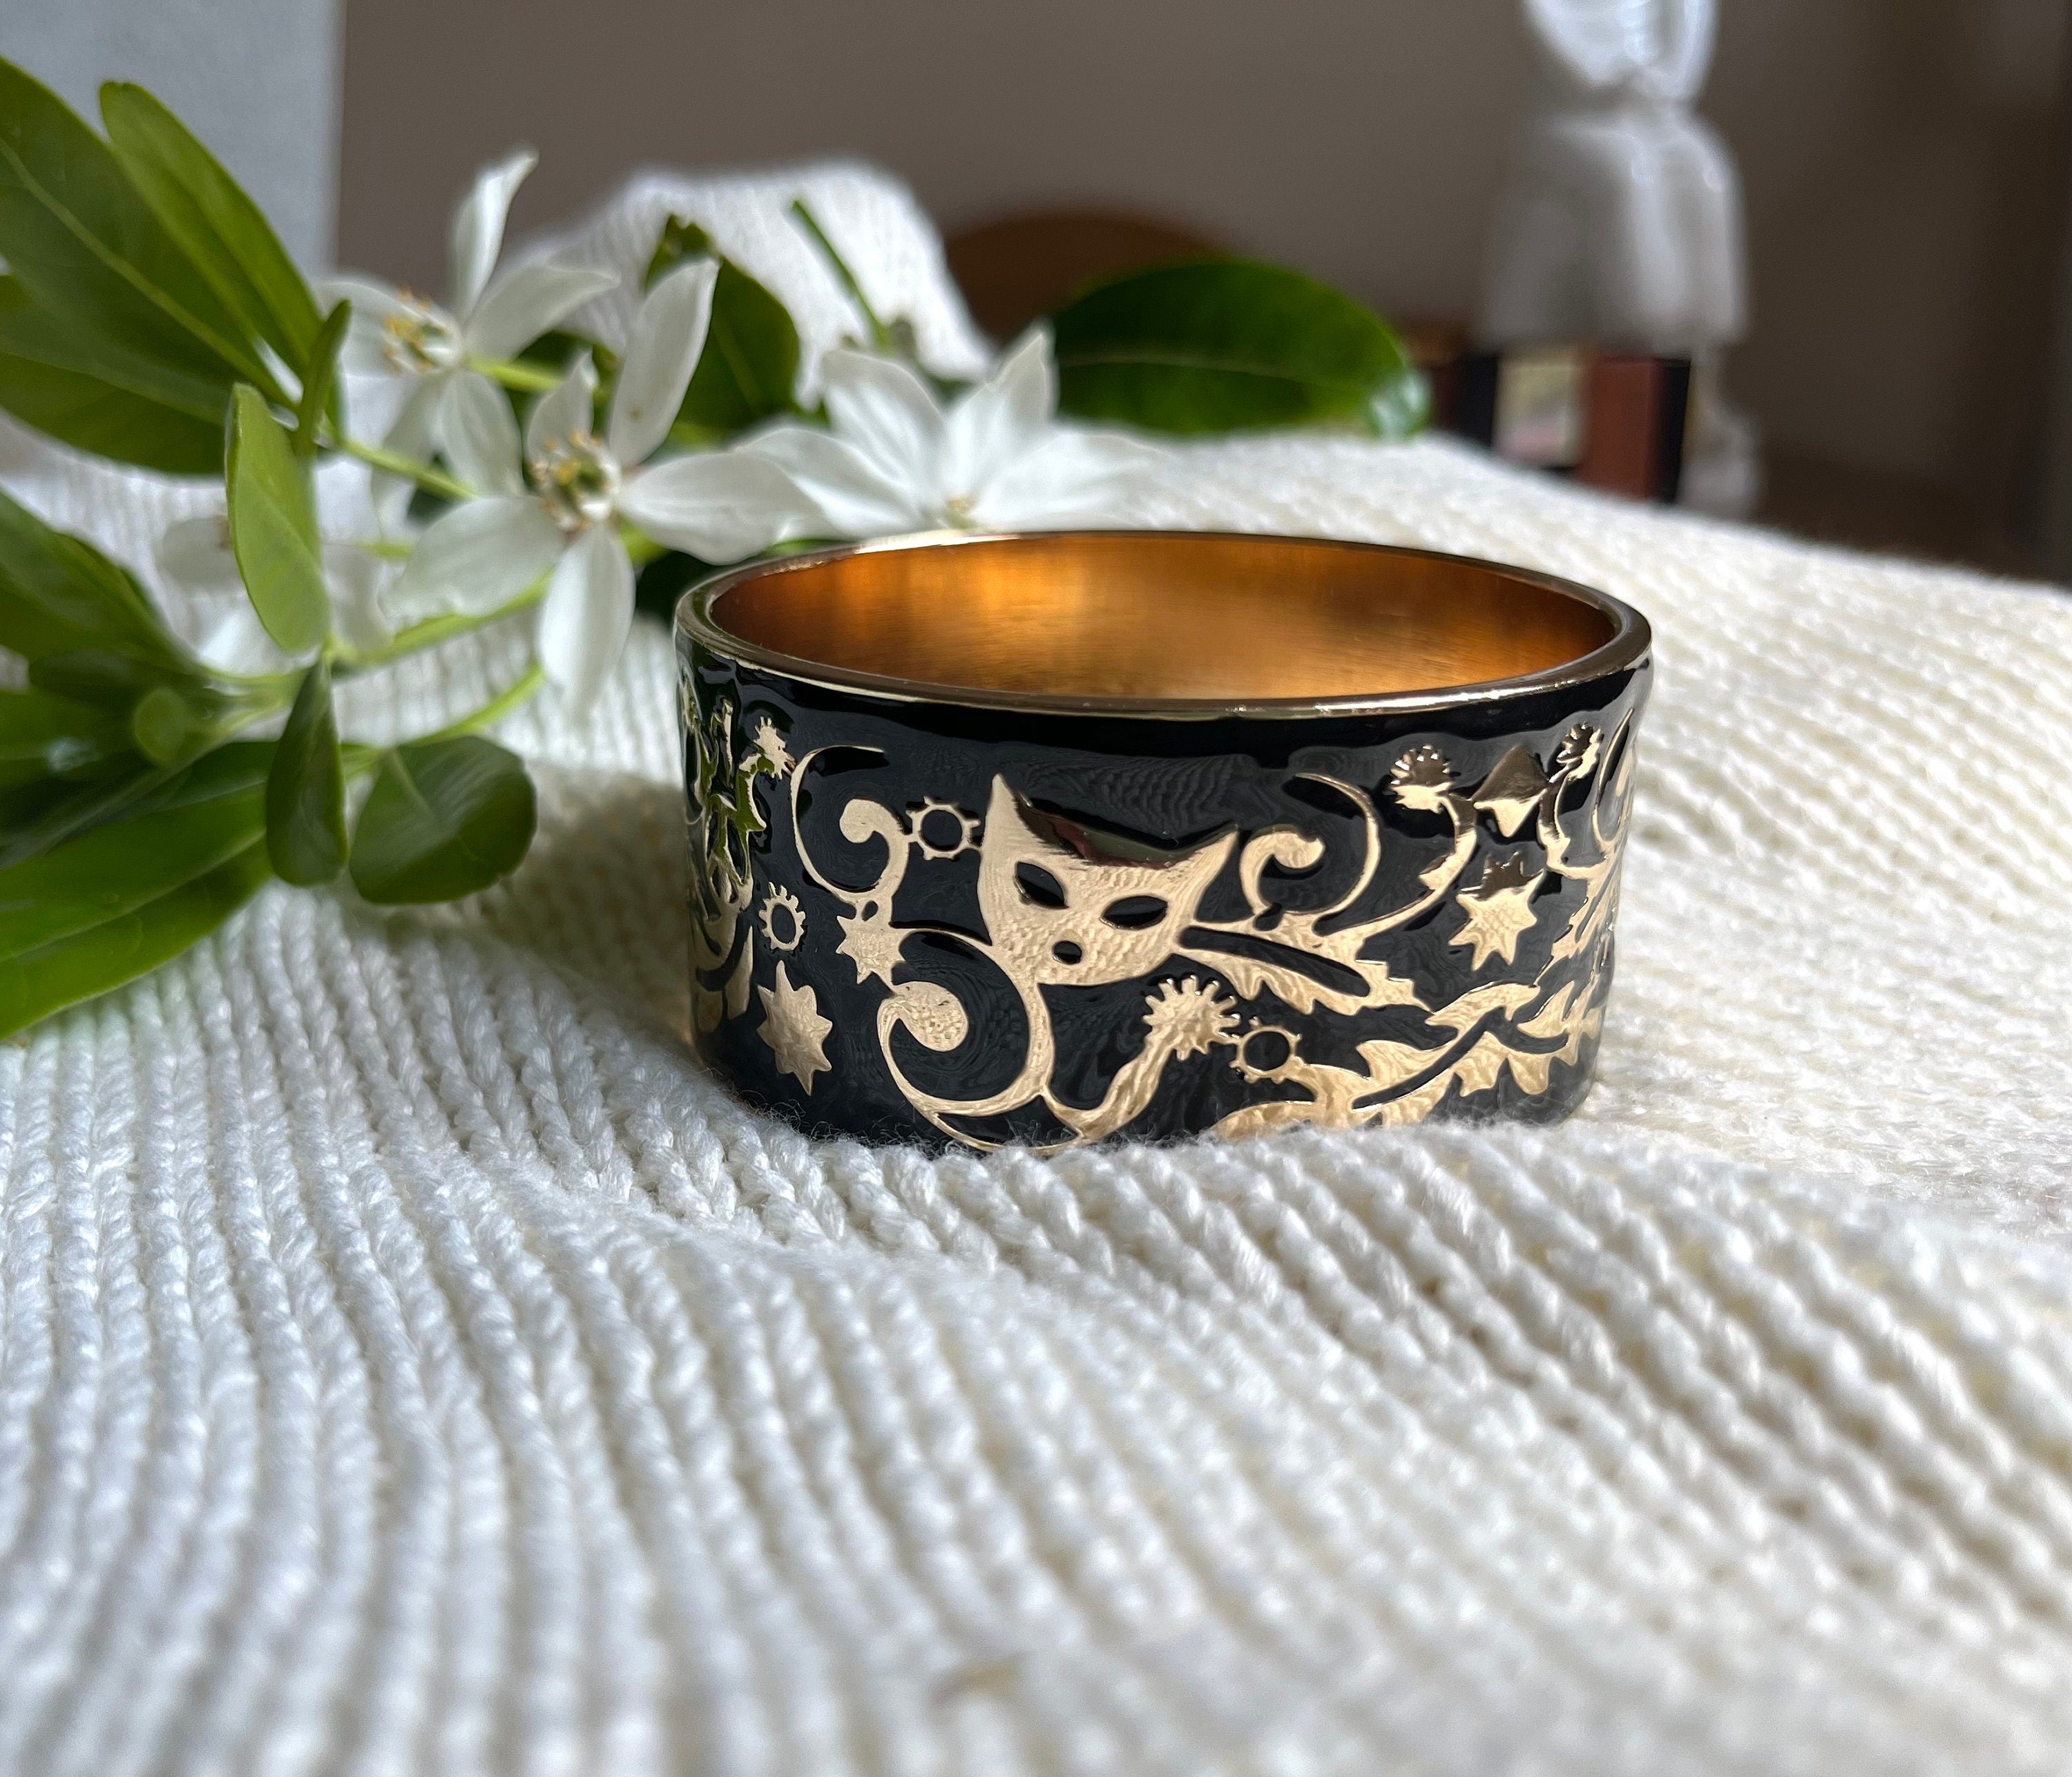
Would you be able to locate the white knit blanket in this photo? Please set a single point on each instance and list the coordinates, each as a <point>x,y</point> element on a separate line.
<point>412,1361</point>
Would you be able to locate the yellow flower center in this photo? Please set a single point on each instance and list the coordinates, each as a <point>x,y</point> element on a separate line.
<point>578,478</point>
<point>418,339</point>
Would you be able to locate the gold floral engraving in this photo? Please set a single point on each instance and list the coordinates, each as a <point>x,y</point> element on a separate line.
<point>1067,906</point>
<point>724,815</point>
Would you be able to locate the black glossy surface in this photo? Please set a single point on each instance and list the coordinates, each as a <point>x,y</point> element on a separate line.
<point>1173,785</point>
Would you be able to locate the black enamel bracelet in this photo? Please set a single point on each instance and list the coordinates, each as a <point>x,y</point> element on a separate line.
<point>1053,838</point>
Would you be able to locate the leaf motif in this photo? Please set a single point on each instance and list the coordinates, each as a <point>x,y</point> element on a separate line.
<point>305,788</point>
<point>1219,345</point>
<point>38,982</point>
<point>1461,1015</point>
<point>86,246</point>
<point>273,527</point>
<point>1250,973</point>
<point>445,818</point>
<point>204,209</point>
<point>1391,1063</point>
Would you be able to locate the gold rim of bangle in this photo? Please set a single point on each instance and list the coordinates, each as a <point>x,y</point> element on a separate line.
<point>1503,598</point>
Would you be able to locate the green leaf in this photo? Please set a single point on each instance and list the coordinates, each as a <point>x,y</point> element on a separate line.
<point>108,681</point>
<point>35,817</point>
<point>750,359</point>
<point>224,232</point>
<point>320,386</point>
<point>273,527</point>
<point>87,391</point>
<point>40,982</point>
<point>175,723</point>
<point>306,790</point>
<point>86,246</point>
<point>1220,345</point>
<point>43,736</point>
<point>123,864</point>
<point>59,594</point>
<point>445,818</point>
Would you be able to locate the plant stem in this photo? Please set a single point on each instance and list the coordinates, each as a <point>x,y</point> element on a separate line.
<point>530,378</point>
<point>435,630</point>
<point>640,548</point>
<point>431,479</point>
<point>494,710</point>
<point>881,336</point>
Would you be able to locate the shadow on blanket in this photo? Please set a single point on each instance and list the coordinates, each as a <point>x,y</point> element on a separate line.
<point>602,892</point>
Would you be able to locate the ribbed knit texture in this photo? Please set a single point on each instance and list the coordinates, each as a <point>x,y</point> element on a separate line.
<point>412,1361</point>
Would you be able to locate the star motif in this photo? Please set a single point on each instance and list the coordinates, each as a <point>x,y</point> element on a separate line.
<point>873,945</point>
<point>794,1029</point>
<point>1498,910</point>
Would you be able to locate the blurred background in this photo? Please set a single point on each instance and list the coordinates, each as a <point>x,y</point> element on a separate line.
<point>1904,168</point>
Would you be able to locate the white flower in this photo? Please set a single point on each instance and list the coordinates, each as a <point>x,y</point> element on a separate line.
<point>195,556</point>
<point>558,511</point>
<point>896,459</point>
<point>395,334</point>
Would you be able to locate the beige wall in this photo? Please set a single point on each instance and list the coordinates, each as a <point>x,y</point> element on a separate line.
<point>1902,156</point>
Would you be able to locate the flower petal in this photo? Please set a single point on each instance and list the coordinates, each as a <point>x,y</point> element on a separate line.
<point>563,411</point>
<point>476,557</point>
<point>886,410</point>
<point>350,503</point>
<point>854,497</point>
<point>668,334</point>
<point>719,505</point>
<point>195,555</point>
<point>355,579</point>
<point>993,424</point>
<point>479,435</point>
<point>523,304</point>
<point>413,432</point>
<point>365,352</point>
<point>478,227</point>
<point>1071,477</point>
<point>589,611</point>
<point>239,643</point>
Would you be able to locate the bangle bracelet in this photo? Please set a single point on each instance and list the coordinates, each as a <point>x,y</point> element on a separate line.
<point>1052,838</point>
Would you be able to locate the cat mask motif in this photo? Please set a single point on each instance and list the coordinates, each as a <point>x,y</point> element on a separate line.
<point>1067,906</point>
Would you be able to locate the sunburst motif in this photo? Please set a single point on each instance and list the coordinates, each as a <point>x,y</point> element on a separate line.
<point>794,1029</point>
<point>1421,778</point>
<point>1191,1014</point>
<point>782,920</point>
<point>967,829</point>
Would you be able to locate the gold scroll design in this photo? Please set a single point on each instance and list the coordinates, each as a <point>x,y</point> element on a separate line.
<point>1065,905</point>
<point>726,815</point>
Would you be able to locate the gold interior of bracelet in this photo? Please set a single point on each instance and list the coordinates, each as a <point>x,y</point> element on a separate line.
<point>1160,615</point>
